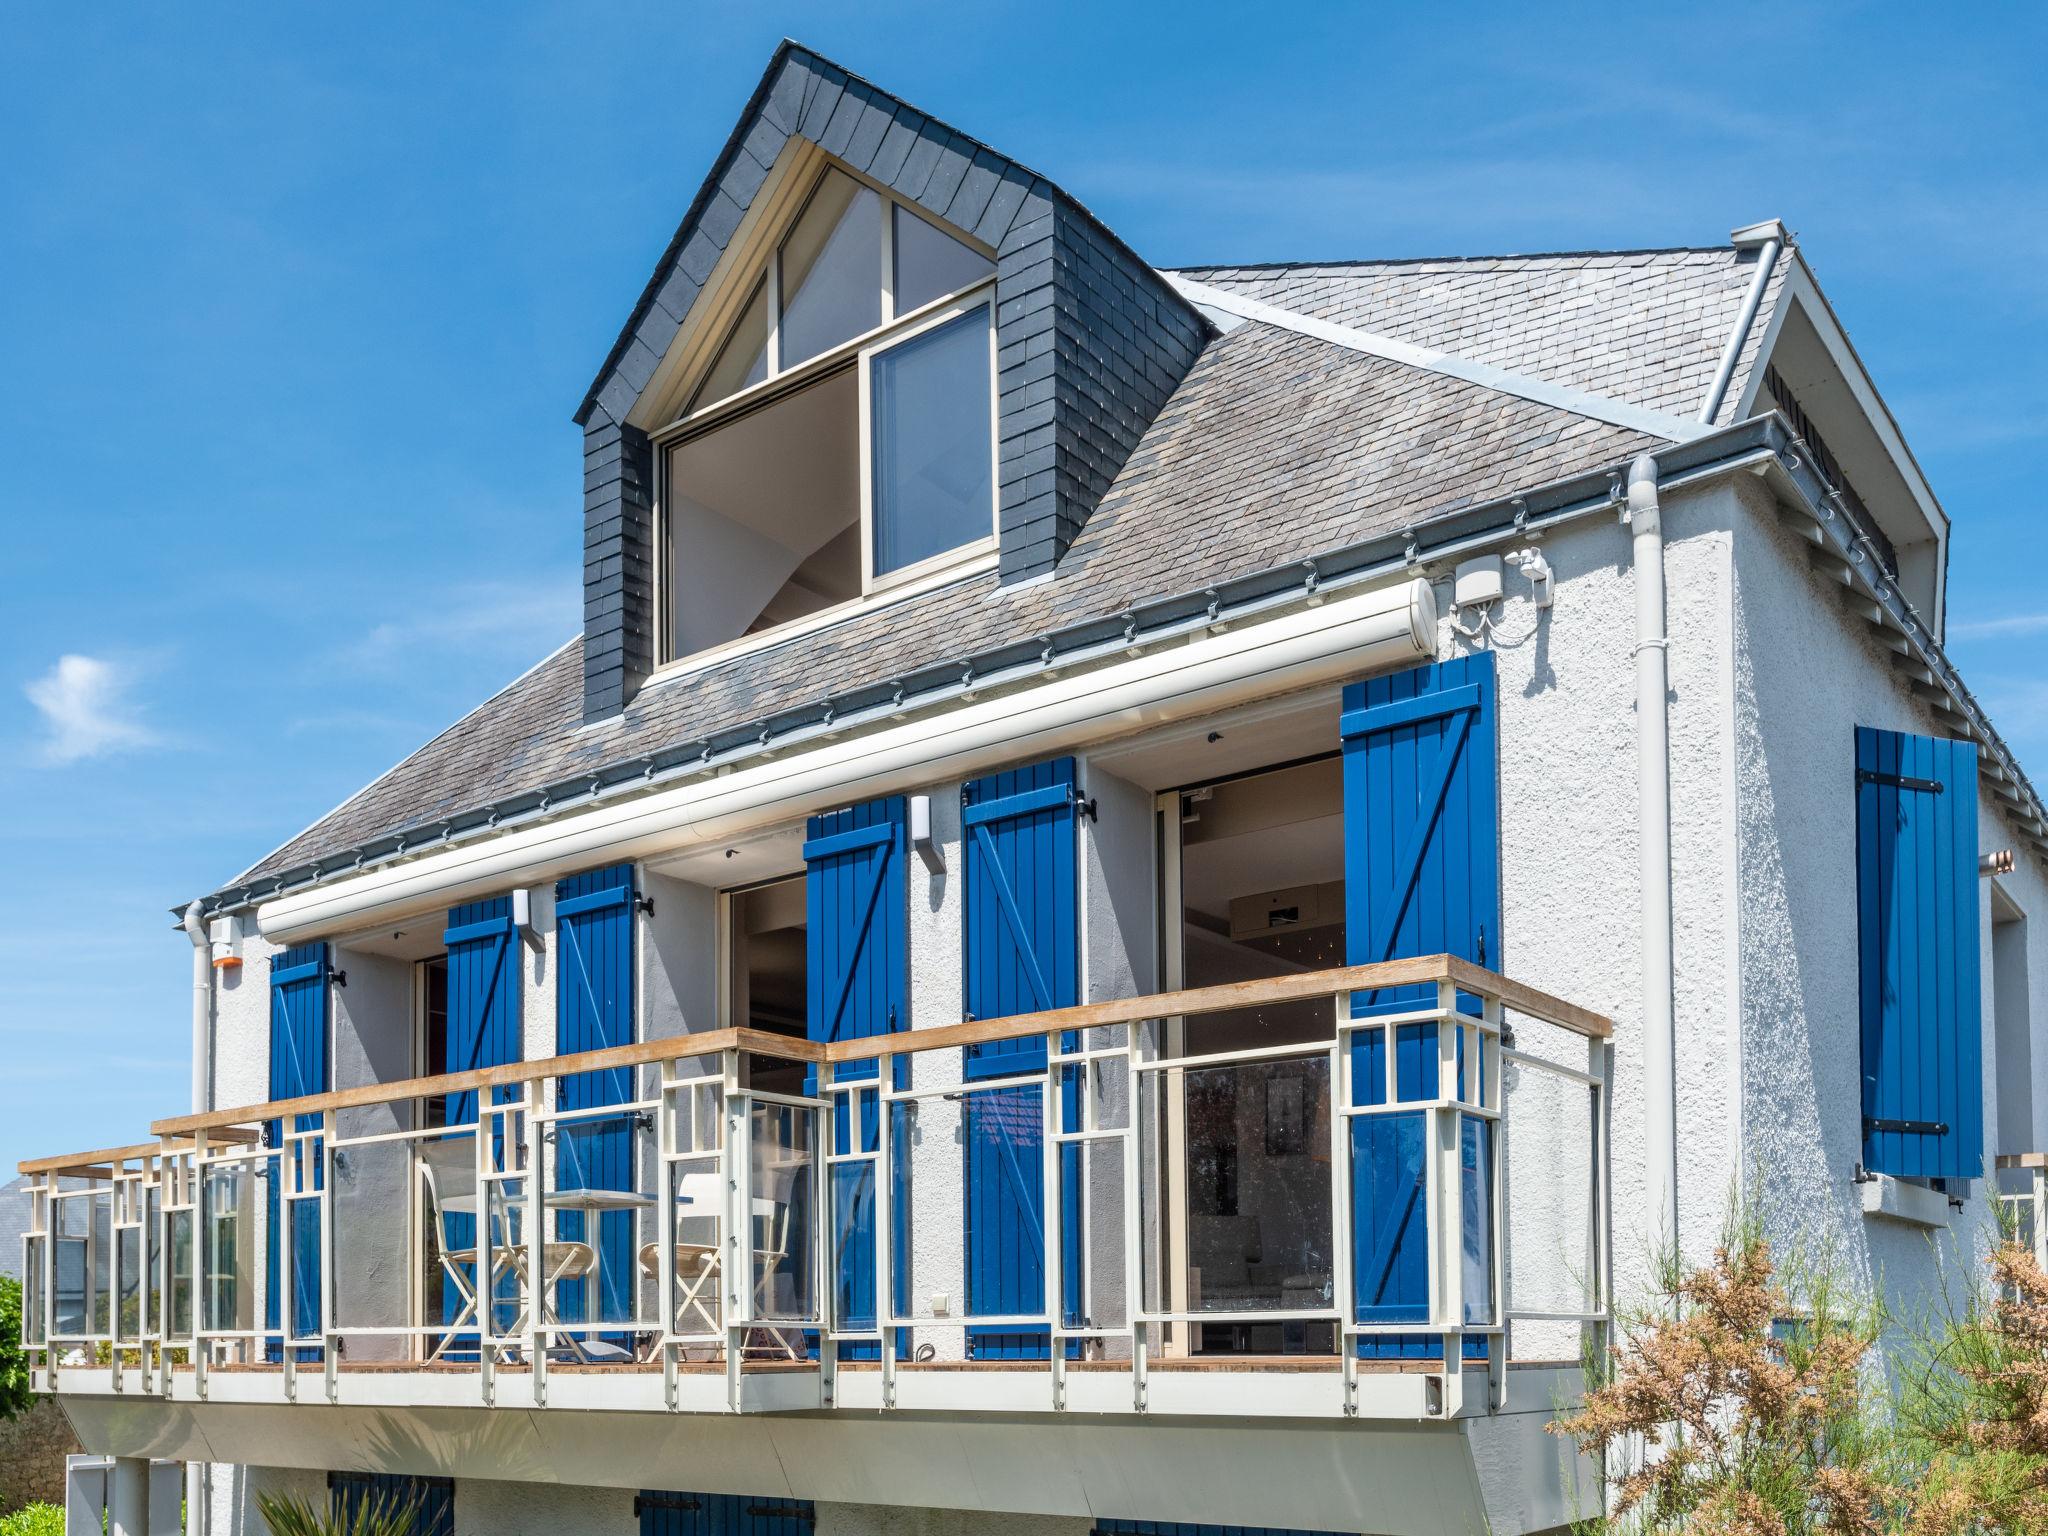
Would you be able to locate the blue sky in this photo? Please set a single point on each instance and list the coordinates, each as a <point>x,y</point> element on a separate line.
<point>296,303</point>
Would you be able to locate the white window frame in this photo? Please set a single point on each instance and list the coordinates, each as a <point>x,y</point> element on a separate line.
<point>960,306</point>
<point>948,566</point>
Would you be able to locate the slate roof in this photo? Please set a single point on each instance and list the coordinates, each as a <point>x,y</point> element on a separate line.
<point>1276,446</point>
<point>1646,327</point>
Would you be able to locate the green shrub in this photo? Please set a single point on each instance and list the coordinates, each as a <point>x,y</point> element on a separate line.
<point>14,1393</point>
<point>34,1520</point>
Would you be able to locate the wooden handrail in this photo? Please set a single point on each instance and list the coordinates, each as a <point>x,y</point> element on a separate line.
<point>1264,991</point>
<point>101,1164</point>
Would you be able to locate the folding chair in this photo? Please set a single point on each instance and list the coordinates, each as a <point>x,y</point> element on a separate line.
<point>448,1170</point>
<point>697,1259</point>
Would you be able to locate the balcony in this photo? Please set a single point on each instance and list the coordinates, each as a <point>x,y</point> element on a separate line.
<point>1402,1220</point>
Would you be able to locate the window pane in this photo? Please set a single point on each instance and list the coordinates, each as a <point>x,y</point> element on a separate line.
<point>743,360</point>
<point>934,476</point>
<point>931,264</point>
<point>831,270</point>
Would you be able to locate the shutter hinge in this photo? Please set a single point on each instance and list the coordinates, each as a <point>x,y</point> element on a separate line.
<point>339,978</point>
<point>1898,781</point>
<point>1875,1127</point>
<point>644,904</point>
<point>1085,807</point>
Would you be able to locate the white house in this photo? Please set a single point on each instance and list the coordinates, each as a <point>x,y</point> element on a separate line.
<point>1143,892</point>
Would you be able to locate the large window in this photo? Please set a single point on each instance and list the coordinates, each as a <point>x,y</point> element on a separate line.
<point>840,441</point>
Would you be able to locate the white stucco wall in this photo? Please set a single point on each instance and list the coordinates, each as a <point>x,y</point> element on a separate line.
<point>1570,886</point>
<point>1808,673</point>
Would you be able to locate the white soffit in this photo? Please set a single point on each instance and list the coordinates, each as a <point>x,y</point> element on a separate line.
<point>1581,402</point>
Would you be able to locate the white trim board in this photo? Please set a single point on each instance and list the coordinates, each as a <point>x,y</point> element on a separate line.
<point>1580,402</point>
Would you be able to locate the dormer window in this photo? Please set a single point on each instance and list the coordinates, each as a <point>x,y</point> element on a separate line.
<point>840,442</point>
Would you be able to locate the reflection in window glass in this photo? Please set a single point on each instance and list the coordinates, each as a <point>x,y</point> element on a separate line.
<point>931,264</point>
<point>831,270</point>
<point>933,465</point>
<point>743,360</point>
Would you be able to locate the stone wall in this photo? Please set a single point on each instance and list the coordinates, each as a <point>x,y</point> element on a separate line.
<point>32,1452</point>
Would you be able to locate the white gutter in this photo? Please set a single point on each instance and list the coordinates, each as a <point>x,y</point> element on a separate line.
<point>1774,237</point>
<point>1653,772</point>
<point>1580,402</point>
<point>1387,626</point>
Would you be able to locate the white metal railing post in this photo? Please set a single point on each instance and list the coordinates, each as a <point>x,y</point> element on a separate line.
<point>286,1180</point>
<point>1134,1218</point>
<point>1447,1291</point>
<point>484,1279</point>
<point>1492,1080</point>
<point>1343,1215</point>
<point>533,1098</point>
<point>330,1167</point>
<point>736,1266</point>
<point>884,1207</point>
<point>202,1235</point>
<point>666,1150</point>
<point>824,1272</point>
<point>1053,1205</point>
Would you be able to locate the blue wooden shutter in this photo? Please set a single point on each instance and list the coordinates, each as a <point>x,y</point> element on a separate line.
<point>433,1497</point>
<point>1421,877</point>
<point>1918,926</point>
<point>1022,952</point>
<point>483,995</point>
<point>594,1010</point>
<point>483,1031</point>
<point>856,976</point>
<point>722,1514</point>
<point>299,1065</point>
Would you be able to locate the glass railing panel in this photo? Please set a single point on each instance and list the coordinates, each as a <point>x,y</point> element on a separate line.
<point>377,1195</point>
<point>1094,1284</point>
<point>599,1222</point>
<point>696,1187</point>
<point>1550,1125</point>
<point>1260,1236</point>
<point>851,1242</point>
<point>229,1206</point>
<point>130,1319</point>
<point>782,1178</point>
<point>100,1286</point>
<point>34,1313</point>
<point>178,1295</point>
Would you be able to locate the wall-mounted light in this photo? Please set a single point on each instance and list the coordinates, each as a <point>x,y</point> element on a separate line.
<point>522,917</point>
<point>921,842</point>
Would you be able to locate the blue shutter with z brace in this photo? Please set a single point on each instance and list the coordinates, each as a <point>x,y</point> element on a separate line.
<point>856,982</point>
<point>1918,929</point>
<point>1023,955</point>
<point>299,981</point>
<point>594,1010</point>
<point>1421,877</point>
<point>483,1031</point>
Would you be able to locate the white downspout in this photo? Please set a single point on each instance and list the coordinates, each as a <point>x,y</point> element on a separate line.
<point>198,1475</point>
<point>1653,768</point>
<point>202,1010</point>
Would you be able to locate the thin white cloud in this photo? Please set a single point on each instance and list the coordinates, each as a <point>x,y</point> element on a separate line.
<point>1990,629</point>
<point>87,711</point>
<point>482,619</point>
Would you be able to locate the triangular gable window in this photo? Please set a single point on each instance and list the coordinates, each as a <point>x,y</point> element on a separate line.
<point>840,443</point>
